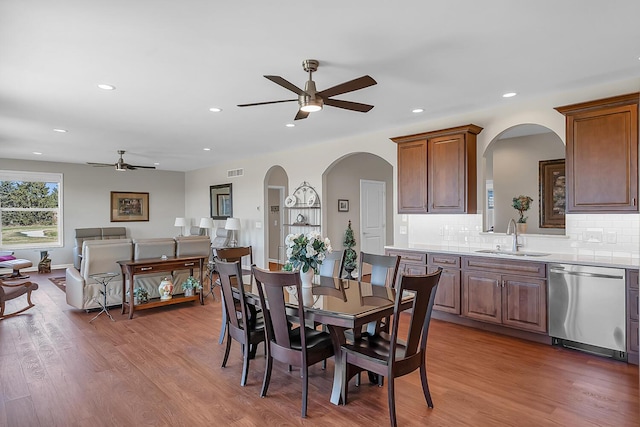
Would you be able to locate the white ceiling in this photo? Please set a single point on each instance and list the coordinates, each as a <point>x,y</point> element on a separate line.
<point>172,60</point>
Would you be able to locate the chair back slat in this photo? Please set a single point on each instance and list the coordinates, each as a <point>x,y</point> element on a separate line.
<point>333,264</point>
<point>231,276</point>
<point>424,288</point>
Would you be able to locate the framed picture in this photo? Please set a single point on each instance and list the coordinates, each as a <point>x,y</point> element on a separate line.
<point>129,206</point>
<point>221,201</point>
<point>552,193</point>
<point>343,205</point>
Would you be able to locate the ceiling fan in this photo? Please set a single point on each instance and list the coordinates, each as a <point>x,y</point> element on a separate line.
<point>121,165</point>
<point>310,100</point>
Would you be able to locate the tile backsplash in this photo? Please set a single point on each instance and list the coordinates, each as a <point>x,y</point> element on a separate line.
<point>607,235</point>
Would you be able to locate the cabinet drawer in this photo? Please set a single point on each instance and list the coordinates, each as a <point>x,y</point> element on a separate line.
<point>632,304</point>
<point>445,261</point>
<point>409,256</point>
<point>632,279</point>
<point>525,268</point>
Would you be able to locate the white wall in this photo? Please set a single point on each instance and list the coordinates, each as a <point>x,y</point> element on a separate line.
<point>87,201</point>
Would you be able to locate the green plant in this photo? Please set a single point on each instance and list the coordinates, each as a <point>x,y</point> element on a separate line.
<point>191,283</point>
<point>287,266</point>
<point>350,255</point>
<point>522,204</point>
<point>141,294</point>
<point>306,251</point>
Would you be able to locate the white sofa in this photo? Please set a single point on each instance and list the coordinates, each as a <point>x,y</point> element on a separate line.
<point>100,256</point>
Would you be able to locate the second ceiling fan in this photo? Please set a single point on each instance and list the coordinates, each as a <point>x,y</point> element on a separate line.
<point>310,100</point>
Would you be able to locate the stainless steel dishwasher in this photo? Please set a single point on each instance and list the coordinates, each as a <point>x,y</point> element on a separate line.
<point>587,309</point>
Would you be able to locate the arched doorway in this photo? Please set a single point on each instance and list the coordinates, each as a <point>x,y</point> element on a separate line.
<point>276,184</point>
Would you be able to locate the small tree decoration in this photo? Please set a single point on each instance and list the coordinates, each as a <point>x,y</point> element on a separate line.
<point>522,204</point>
<point>350,256</point>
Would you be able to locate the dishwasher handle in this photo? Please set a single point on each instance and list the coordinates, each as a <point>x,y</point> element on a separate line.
<point>584,274</point>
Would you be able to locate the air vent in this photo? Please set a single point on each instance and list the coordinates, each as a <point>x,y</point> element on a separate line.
<point>235,172</point>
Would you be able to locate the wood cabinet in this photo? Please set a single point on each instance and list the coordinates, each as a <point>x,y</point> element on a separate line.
<point>448,294</point>
<point>602,155</point>
<point>437,171</point>
<point>504,292</point>
<point>632,316</point>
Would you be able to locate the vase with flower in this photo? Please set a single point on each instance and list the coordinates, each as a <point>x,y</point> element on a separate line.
<point>306,252</point>
<point>522,204</point>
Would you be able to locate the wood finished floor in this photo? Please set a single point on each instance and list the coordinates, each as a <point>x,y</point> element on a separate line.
<point>163,369</point>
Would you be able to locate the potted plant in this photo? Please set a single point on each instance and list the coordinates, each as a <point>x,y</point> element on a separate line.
<point>306,252</point>
<point>140,295</point>
<point>190,285</point>
<point>522,204</point>
<point>350,255</point>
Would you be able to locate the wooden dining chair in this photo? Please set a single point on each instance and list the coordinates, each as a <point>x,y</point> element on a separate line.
<point>379,270</point>
<point>243,325</point>
<point>233,255</point>
<point>301,346</point>
<point>332,265</point>
<point>9,291</point>
<point>390,356</point>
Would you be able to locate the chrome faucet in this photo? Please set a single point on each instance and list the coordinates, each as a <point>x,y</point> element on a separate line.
<point>515,245</point>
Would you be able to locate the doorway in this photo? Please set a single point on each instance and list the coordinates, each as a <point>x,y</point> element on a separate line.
<point>372,216</point>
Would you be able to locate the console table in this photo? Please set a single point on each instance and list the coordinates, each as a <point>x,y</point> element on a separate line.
<point>130,269</point>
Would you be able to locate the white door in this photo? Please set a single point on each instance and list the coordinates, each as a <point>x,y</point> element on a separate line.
<point>372,216</point>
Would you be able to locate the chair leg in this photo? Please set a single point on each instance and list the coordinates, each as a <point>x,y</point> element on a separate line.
<point>324,364</point>
<point>245,365</point>
<point>358,379</point>
<point>267,376</point>
<point>224,321</point>
<point>392,401</point>
<point>226,352</point>
<point>425,384</point>
<point>305,390</point>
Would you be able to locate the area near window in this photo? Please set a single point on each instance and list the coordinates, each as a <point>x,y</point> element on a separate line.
<point>30,210</point>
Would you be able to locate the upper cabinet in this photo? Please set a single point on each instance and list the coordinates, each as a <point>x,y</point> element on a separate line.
<point>437,171</point>
<point>602,155</point>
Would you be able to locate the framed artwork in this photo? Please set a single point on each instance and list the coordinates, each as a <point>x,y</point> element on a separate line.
<point>343,205</point>
<point>552,193</point>
<point>129,206</point>
<point>221,201</point>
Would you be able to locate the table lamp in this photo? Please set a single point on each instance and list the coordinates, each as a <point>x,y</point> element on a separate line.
<point>232,224</point>
<point>207,224</point>
<point>181,222</point>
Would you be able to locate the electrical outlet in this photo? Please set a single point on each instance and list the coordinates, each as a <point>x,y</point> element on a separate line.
<point>593,235</point>
<point>403,229</point>
<point>612,237</point>
<point>258,224</point>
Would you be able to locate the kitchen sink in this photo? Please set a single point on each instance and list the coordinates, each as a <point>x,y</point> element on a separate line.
<point>508,253</point>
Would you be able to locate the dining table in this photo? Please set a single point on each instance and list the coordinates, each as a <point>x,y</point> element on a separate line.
<point>341,305</point>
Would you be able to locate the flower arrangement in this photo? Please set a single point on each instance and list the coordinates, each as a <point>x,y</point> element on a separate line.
<point>191,283</point>
<point>306,251</point>
<point>522,204</point>
<point>141,295</point>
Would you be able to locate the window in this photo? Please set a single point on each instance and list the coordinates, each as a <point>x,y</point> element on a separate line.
<point>30,209</point>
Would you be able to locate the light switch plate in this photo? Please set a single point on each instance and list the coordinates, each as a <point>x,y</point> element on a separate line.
<point>403,229</point>
<point>612,237</point>
<point>593,235</point>
<point>258,224</point>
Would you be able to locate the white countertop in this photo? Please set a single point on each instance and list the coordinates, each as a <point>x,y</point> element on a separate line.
<point>602,261</point>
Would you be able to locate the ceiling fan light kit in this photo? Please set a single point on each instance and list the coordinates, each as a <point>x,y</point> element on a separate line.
<point>310,100</point>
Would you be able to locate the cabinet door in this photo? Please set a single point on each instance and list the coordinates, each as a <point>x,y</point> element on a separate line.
<point>524,303</point>
<point>633,338</point>
<point>482,296</point>
<point>412,269</point>
<point>448,293</point>
<point>412,177</point>
<point>447,172</point>
<point>602,157</point>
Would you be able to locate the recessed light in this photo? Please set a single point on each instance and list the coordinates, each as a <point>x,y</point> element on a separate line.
<point>290,125</point>
<point>509,94</point>
<point>418,110</point>
<point>207,149</point>
<point>37,153</point>
<point>104,86</point>
<point>60,130</point>
<point>215,109</point>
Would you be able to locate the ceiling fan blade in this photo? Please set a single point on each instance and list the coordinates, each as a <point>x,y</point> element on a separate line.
<point>350,86</point>
<point>101,164</point>
<point>286,84</point>
<point>133,167</point>
<point>348,105</point>
<point>267,102</point>
<point>301,115</point>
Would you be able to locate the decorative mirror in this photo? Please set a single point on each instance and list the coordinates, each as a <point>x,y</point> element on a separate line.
<point>221,201</point>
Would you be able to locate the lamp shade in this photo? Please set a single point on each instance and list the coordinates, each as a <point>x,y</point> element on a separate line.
<point>206,222</point>
<point>232,224</point>
<point>181,222</point>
